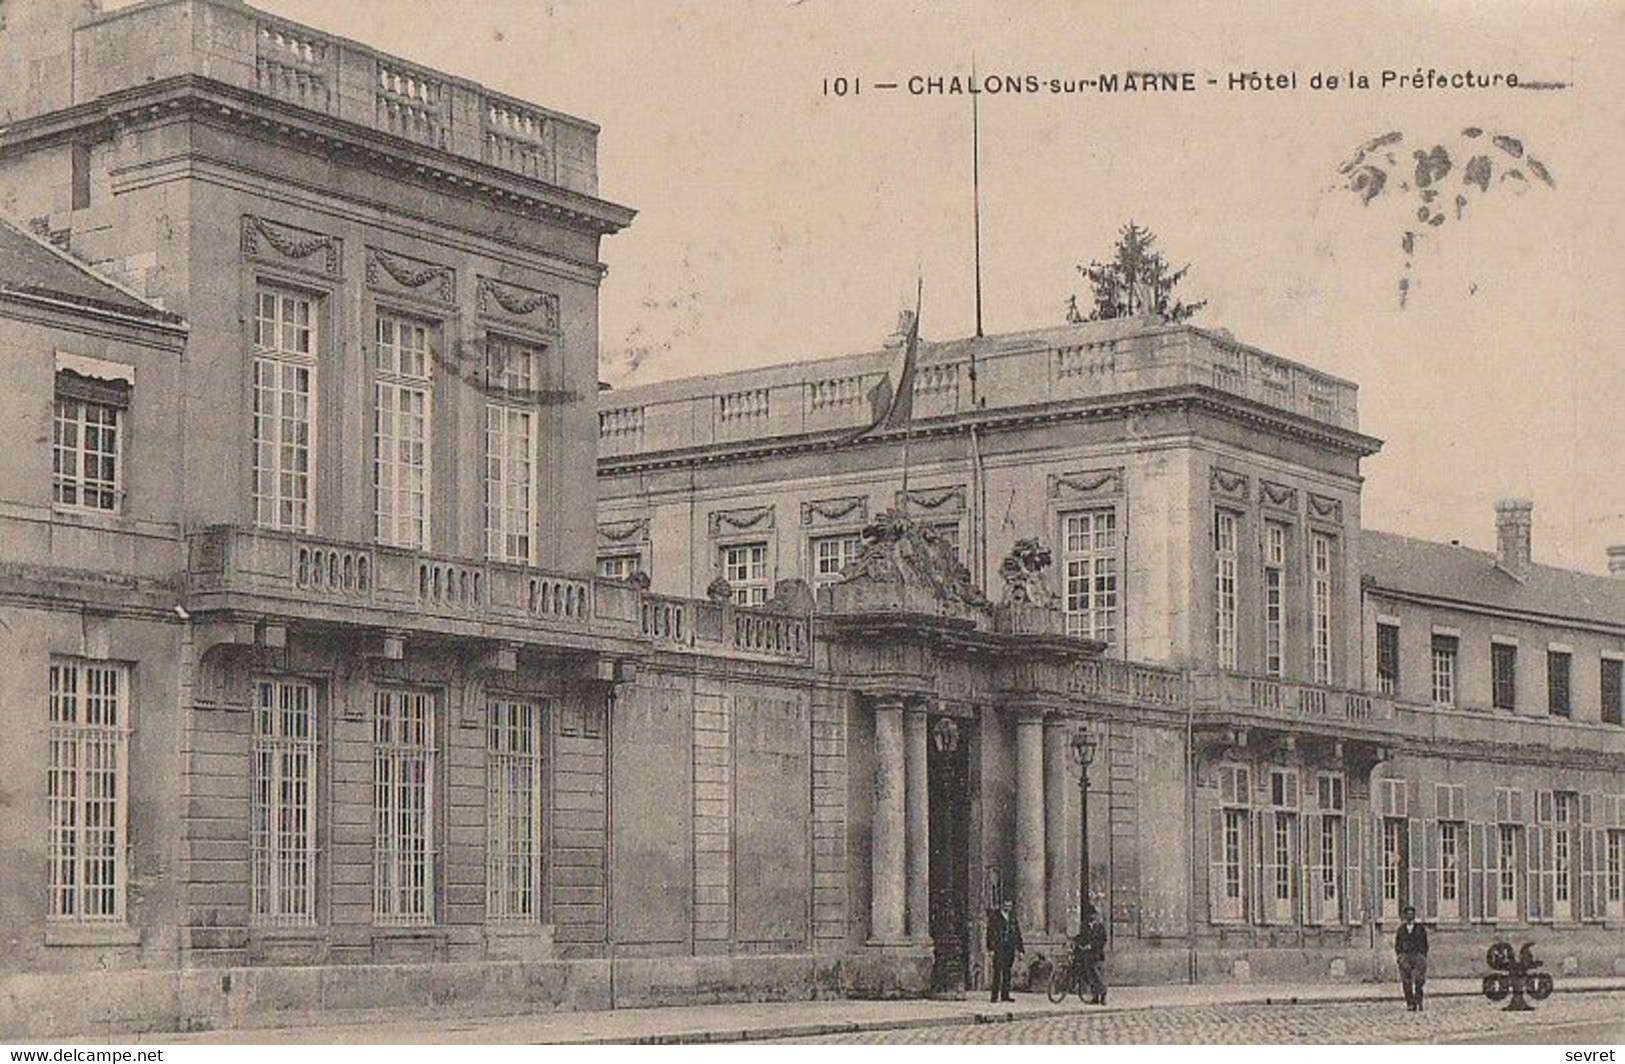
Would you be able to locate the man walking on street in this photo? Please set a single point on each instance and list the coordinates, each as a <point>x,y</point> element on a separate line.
<point>1411,949</point>
<point>1004,942</point>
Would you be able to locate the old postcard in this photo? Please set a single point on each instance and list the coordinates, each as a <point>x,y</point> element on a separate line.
<point>805,520</point>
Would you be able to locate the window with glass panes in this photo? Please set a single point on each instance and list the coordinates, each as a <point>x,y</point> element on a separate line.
<point>832,555</point>
<point>1388,658</point>
<point>87,790</point>
<point>1225,541</point>
<point>1452,844</point>
<point>1445,651</point>
<point>1558,663</point>
<point>1321,549</point>
<point>404,755</point>
<point>1613,691</point>
<point>744,566</point>
<point>1507,890</point>
<point>1393,864</point>
<point>401,430</point>
<point>1229,846</point>
<point>514,811</point>
<point>1563,804</point>
<point>1275,536</point>
<point>1504,675</point>
<point>1089,557</point>
<point>282,813</point>
<point>1235,821</point>
<point>285,356</point>
<point>511,441</point>
<point>1330,793</point>
<point>619,566</point>
<point>1614,873</point>
<point>1284,841</point>
<point>86,466</point>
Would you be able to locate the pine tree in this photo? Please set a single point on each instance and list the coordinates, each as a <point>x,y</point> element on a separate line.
<point>1135,281</point>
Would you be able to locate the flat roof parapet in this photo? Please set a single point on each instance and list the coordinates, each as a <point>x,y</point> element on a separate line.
<point>1015,372</point>
<point>229,42</point>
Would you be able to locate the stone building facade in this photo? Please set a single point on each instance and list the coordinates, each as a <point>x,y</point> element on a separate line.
<point>1264,801</point>
<point>318,702</point>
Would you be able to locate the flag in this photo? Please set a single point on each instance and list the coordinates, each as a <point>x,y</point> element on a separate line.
<point>889,407</point>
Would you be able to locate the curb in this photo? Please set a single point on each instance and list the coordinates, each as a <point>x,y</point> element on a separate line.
<point>972,1019</point>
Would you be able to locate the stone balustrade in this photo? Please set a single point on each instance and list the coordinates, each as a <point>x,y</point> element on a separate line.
<point>294,575</point>
<point>1093,361</point>
<point>229,42</point>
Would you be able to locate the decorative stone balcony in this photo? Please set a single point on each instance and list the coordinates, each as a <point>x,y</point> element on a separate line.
<point>739,631</point>
<point>1239,700</point>
<point>1129,684</point>
<point>229,42</point>
<point>251,572</point>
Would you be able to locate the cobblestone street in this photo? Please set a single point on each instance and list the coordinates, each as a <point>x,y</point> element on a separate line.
<point>1446,1020</point>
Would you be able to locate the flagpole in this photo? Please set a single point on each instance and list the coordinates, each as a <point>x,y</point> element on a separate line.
<point>908,426</point>
<point>976,204</point>
<point>978,529</point>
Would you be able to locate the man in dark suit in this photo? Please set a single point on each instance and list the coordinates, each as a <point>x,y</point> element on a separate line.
<point>1411,949</point>
<point>1004,942</point>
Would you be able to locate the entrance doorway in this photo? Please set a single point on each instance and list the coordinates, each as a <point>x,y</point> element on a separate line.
<point>948,768</point>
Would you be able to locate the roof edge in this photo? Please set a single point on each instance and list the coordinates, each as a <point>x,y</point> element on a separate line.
<point>157,312</point>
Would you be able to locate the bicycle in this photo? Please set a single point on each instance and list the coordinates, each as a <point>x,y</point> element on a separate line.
<point>1084,976</point>
<point>1065,979</point>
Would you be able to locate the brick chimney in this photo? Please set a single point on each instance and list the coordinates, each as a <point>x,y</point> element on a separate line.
<point>1616,561</point>
<point>1512,524</point>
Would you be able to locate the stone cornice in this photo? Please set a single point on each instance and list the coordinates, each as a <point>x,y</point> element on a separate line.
<point>1371,587</point>
<point>1193,397</point>
<point>75,316</point>
<point>222,103</point>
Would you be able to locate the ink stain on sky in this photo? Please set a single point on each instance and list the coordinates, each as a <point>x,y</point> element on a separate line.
<point>1422,184</point>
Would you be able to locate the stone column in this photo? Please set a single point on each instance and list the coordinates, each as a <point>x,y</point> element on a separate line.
<point>919,823</point>
<point>1030,821</point>
<point>886,861</point>
<point>1058,788</point>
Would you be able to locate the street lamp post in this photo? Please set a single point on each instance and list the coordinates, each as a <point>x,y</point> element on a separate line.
<point>1083,752</point>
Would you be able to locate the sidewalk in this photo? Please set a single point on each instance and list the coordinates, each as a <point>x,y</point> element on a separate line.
<point>792,1019</point>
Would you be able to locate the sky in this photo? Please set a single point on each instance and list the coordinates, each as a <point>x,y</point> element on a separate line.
<point>778,223</point>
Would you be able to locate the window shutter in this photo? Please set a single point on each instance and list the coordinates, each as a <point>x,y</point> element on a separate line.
<point>1548,874</point>
<point>1429,909</point>
<point>1256,869</point>
<point>1476,887</point>
<point>1269,866</point>
<point>1592,851</point>
<point>1492,870</point>
<point>1543,807</point>
<point>1599,872</point>
<point>1414,863</point>
<point>1220,907</point>
<point>1314,878</point>
<point>1588,877</point>
<point>1354,826</point>
<point>1534,849</point>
